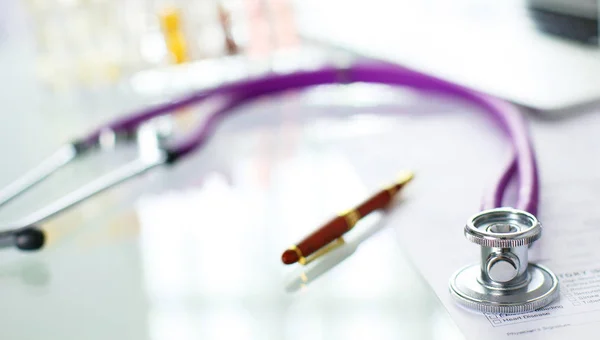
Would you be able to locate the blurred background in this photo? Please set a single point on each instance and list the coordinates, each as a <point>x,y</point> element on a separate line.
<point>85,44</point>
<point>193,252</point>
<point>94,43</point>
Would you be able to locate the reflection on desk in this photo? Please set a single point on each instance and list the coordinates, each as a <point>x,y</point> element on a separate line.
<point>304,275</point>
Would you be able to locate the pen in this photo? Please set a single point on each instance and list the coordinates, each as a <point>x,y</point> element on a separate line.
<point>338,226</point>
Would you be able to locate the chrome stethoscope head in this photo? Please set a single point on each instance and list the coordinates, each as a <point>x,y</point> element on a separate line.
<point>504,281</point>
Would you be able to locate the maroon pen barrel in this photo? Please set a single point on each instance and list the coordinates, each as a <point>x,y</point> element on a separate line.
<point>322,237</point>
<point>339,225</point>
<point>379,201</point>
<point>334,229</point>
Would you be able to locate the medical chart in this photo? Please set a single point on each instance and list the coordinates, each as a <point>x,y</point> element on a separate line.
<point>430,219</point>
<point>569,155</point>
<point>570,249</point>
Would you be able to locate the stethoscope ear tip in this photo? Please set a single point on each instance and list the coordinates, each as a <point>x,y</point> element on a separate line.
<point>30,238</point>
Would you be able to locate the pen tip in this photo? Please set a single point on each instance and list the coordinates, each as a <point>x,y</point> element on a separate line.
<point>289,257</point>
<point>405,177</point>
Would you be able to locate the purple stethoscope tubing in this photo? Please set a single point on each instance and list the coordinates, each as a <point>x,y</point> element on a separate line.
<point>26,235</point>
<point>504,115</point>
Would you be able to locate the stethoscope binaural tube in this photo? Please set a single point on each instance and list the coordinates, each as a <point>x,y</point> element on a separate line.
<point>236,94</point>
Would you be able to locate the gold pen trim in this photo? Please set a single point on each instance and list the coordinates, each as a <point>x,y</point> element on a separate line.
<point>403,178</point>
<point>301,258</point>
<point>352,217</point>
<point>326,249</point>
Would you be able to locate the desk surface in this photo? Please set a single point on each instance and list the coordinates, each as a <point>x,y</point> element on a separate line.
<point>192,252</point>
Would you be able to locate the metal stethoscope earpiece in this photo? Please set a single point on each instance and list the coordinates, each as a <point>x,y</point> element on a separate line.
<point>505,281</point>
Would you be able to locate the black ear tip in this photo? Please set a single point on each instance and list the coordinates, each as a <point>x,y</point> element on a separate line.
<point>31,238</point>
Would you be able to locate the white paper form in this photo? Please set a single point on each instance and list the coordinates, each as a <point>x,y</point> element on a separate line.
<point>453,169</point>
<point>570,213</point>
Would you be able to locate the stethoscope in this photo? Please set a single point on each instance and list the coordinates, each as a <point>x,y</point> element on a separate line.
<point>504,280</point>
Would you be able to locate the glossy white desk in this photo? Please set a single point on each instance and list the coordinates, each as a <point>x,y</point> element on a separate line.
<point>193,252</point>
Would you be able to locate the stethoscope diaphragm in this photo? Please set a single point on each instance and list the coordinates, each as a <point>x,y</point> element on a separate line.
<point>504,281</point>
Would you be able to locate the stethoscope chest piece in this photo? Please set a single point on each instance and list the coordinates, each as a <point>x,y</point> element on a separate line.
<point>504,281</point>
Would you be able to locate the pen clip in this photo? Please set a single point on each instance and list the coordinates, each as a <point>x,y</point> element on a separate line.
<point>338,242</point>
